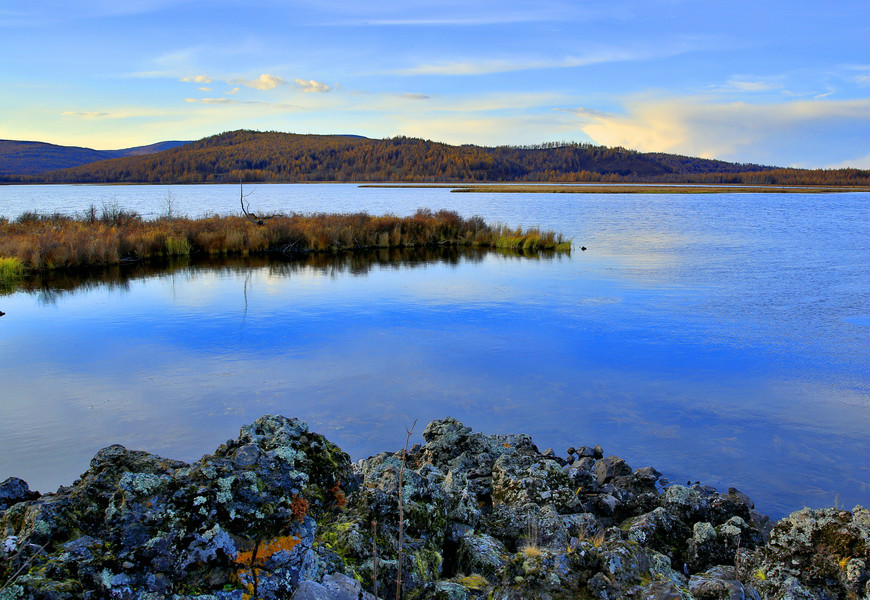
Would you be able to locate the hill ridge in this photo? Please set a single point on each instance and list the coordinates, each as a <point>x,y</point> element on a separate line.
<point>272,156</point>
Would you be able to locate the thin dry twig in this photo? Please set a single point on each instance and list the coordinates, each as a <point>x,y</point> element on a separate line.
<point>401,513</point>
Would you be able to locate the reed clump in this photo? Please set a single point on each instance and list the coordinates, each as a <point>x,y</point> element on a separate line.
<point>39,242</point>
<point>531,239</point>
<point>11,270</point>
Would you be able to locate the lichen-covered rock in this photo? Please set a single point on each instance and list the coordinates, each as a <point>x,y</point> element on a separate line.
<point>15,490</point>
<point>519,479</point>
<point>814,553</point>
<point>280,512</point>
<point>660,531</point>
<point>481,554</point>
<point>719,583</point>
<point>136,524</point>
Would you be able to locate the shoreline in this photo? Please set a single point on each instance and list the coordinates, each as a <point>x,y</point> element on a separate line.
<point>281,512</point>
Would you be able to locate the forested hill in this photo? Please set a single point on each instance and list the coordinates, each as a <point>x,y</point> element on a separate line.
<point>31,158</point>
<point>272,156</point>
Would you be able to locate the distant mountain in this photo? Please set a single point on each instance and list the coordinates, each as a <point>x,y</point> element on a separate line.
<point>30,158</point>
<point>287,157</point>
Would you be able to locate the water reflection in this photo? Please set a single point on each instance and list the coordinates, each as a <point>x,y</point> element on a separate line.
<point>719,339</point>
<point>51,285</point>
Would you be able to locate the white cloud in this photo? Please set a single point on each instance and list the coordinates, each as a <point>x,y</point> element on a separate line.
<point>197,79</point>
<point>861,162</point>
<point>263,82</point>
<point>311,85</point>
<point>415,96</point>
<point>235,90</point>
<point>814,131</point>
<point>204,89</point>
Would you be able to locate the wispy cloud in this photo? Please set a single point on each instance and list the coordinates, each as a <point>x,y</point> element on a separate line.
<point>746,83</point>
<point>505,65</point>
<point>310,85</point>
<point>84,114</point>
<point>118,113</point>
<point>414,96</point>
<point>263,82</point>
<point>276,105</point>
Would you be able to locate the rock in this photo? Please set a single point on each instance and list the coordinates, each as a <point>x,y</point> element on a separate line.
<point>719,583</point>
<point>519,479</point>
<point>282,510</point>
<point>342,586</point>
<point>309,590</point>
<point>608,468</point>
<point>481,554</point>
<point>660,531</point>
<point>585,452</point>
<point>15,490</point>
<point>822,551</point>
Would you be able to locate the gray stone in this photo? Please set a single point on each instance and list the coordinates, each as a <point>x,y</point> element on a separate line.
<point>481,554</point>
<point>309,590</point>
<point>610,467</point>
<point>344,587</point>
<point>585,451</point>
<point>15,490</point>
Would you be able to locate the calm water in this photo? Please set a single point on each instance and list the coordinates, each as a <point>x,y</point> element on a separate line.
<point>721,338</point>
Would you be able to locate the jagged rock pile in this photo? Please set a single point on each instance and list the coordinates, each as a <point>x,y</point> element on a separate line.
<point>282,513</point>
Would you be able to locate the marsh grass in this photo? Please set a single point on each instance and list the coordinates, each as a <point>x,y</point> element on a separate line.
<point>629,188</point>
<point>11,271</point>
<point>106,237</point>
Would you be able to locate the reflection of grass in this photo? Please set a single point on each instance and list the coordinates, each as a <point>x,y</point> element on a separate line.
<point>45,242</point>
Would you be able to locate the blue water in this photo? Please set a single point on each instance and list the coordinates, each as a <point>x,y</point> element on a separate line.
<point>723,338</point>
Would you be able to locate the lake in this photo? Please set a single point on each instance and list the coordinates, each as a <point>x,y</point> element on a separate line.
<point>721,338</point>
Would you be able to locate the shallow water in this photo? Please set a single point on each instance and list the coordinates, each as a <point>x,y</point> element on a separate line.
<point>720,338</point>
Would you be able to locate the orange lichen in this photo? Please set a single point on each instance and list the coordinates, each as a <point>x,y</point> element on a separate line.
<point>299,507</point>
<point>338,494</point>
<point>259,554</point>
<point>254,560</point>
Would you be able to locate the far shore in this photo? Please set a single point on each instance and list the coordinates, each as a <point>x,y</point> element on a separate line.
<point>640,188</point>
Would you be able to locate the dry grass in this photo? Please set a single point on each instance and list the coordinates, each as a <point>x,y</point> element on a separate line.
<point>47,242</point>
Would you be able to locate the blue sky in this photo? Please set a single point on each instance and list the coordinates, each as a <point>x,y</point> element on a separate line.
<point>781,83</point>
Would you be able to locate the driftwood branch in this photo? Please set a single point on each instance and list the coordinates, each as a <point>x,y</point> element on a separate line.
<point>245,205</point>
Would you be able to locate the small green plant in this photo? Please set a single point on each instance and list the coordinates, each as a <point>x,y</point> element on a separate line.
<point>177,246</point>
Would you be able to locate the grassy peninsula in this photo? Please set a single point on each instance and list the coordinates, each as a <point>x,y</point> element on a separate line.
<point>35,242</point>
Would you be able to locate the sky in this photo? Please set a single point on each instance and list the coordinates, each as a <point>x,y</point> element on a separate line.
<point>769,82</point>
